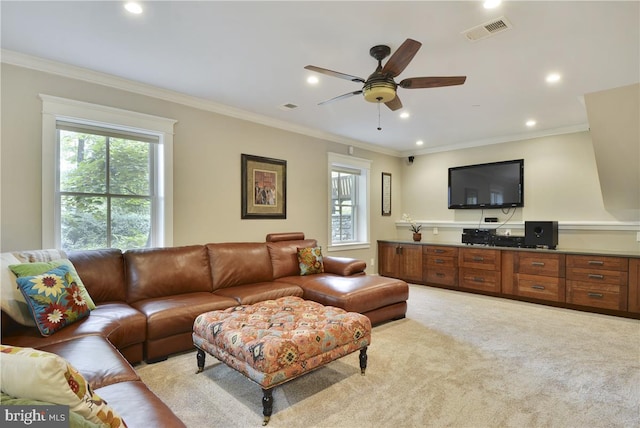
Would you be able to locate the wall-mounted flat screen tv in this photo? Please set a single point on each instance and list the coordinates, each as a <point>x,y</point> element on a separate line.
<point>488,185</point>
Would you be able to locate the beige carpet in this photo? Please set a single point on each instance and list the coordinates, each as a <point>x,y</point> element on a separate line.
<point>457,360</point>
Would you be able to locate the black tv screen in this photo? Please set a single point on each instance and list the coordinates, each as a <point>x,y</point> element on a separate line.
<point>489,185</point>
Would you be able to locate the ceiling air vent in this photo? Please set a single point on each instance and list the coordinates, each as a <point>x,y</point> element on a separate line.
<point>288,106</point>
<point>487,29</point>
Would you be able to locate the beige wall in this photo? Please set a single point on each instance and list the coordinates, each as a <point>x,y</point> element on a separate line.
<point>561,183</point>
<point>207,148</point>
<point>561,175</point>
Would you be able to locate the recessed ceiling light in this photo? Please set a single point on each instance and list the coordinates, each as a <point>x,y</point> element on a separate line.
<point>553,77</point>
<point>490,4</point>
<point>404,115</point>
<point>530,123</point>
<point>419,143</point>
<point>312,80</point>
<point>133,7</point>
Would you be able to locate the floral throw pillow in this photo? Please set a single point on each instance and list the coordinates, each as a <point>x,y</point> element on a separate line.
<point>54,299</point>
<point>310,260</point>
<point>38,375</point>
<point>36,268</point>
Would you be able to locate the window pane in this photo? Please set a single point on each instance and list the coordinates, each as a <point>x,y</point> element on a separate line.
<point>130,222</point>
<point>83,222</point>
<point>343,195</point>
<point>82,162</point>
<point>129,167</point>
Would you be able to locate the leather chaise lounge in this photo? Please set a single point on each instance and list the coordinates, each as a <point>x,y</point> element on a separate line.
<point>147,300</point>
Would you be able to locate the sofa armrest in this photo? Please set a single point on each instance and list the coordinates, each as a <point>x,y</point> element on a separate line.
<point>343,266</point>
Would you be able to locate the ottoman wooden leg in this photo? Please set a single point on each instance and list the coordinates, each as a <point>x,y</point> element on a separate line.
<point>200,357</point>
<point>363,360</point>
<point>267,405</point>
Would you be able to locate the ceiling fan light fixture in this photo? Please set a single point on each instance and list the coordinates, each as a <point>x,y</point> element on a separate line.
<point>379,91</point>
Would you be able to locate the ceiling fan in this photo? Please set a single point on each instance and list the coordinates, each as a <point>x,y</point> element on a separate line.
<point>380,87</point>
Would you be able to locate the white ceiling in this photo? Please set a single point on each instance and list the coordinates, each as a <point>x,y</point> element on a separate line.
<point>250,56</point>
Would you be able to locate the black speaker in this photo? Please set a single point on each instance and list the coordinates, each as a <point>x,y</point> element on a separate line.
<point>541,234</point>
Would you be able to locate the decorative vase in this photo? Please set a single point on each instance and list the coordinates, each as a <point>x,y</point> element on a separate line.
<point>417,236</point>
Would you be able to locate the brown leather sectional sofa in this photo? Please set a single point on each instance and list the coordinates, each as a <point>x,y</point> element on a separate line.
<point>146,302</point>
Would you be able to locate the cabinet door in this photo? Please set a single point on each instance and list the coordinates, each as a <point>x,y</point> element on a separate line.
<point>634,285</point>
<point>411,262</point>
<point>387,259</point>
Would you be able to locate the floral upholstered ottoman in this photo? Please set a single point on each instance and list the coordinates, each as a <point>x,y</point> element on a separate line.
<point>274,341</point>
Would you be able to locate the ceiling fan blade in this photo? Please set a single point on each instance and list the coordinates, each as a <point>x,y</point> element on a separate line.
<point>401,57</point>
<point>340,97</point>
<point>394,104</point>
<point>431,82</point>
<point>334,73</point>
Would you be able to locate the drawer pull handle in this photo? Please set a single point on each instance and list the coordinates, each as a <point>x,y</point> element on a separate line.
<point>595,295</point>
<point>537,264</point>
<point>538,287</point>
<point>440,261</point>
<point>478,259</point>
<point>596,276</point>
<point>438,251</point>
<point>596,262</point>
<point>440,274</point>
<point>478,279</point>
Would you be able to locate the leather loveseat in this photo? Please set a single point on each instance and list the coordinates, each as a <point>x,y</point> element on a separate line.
<point>147,300</point>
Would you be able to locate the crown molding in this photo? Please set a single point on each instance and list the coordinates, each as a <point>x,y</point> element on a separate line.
<point>104,79</point>
<point>501,139</point>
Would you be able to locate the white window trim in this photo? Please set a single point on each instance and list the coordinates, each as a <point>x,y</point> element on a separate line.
<point>364,165</point>
<point>56,108</point>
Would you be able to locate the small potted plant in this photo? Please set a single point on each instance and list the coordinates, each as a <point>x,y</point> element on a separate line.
<point>415,227</point>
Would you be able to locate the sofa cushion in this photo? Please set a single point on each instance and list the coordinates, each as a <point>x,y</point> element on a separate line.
<point>54,299</point>
<point>160,272</point>
<point>96,359</point>
<point>248,294</point>
<point>102,272</point>
<point>284,256</point>
<point>39,375</point>
<point>37,268</point>
<point>140,407</point>
<point>355,293</point>
<point>310,260</point>
<point>240,263</point>
<point>171,315</point>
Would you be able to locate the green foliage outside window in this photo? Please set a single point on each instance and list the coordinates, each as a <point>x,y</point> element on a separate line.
<point>105,191</point>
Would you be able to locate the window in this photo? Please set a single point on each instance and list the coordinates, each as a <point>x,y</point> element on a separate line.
<point>349,205</point>
<point>106,177</point>
<point>105,187</point>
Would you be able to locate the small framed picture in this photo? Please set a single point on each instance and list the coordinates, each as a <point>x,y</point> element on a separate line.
<point>264,187</point>
<point>386,193</point>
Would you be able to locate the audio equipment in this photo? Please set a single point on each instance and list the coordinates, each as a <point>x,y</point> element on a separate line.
<point>509,241</point>
<point>478,236</point>
<point>541,234</point>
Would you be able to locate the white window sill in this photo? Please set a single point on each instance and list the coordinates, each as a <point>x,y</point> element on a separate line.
<point>349,246</point>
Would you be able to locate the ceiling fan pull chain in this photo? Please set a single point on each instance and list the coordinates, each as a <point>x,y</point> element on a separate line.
<point>379,127</point>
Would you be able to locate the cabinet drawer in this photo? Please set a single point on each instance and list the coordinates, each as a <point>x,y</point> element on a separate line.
<point>540,287</point>
<point>441,251</point>
<point>598,276</point>
<point>436,261</point>
<point>540,264</point>
<point>597,262</point>
<point>606,296</point>
<point>442,275</point>
<point>480,259</point>
<point>479,279</point>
